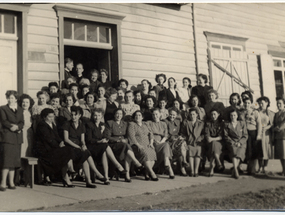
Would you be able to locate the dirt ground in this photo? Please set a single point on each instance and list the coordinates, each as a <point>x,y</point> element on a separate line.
<point>258,192</point>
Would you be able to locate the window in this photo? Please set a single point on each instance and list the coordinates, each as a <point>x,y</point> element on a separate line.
<point>90,36</point>
<point>279,75</point>
<point>8,24</point>
<point>84,33</point>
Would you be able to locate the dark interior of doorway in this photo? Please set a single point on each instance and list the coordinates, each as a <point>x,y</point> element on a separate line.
<point>91,58</point>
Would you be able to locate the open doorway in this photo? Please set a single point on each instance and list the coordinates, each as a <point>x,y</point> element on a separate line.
<point>91,58</point>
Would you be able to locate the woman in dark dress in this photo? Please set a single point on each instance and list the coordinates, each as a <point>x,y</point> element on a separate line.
<point>171,93</point>
<point>104,82</point>
<point>138,98</point>
<point>150,103</point>
<point>214,134</point>
<point>116,132</point>
<point>194,102</point>
<point>141,140</point>
<point>159,88</point>
<point>146,87</point>
<point>12,120</point>
<point>212,103</point>
<point>97,143</point>
<point>111,104</point>
<point>50,148</point>
<point>74,136</point>
<point>235,137</point>
<point>201,90</point>
<point>235,103</point>
<point>160,136</point>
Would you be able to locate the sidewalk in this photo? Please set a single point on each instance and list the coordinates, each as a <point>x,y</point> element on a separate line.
<point>25,198</point>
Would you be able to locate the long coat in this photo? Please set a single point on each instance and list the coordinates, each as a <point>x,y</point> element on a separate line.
<point>236,135</point>
<point>7,118</point>
<point>193,135</point>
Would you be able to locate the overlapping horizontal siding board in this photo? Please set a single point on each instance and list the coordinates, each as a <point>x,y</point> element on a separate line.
<point>155,40</point>
<point>43,59</point>
<point>262,24</point>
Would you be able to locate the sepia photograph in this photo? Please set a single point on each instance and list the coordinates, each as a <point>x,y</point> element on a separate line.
<point>142,107</point>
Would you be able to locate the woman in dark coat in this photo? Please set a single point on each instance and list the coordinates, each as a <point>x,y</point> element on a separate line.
<point>150,103</point>
<point>214,134</point>
<point>213,103</point>
<point>235,137</point>
<point>74,136</point>
<point>192,130</point>
<point>52,153</point>
<point>12,120</point>
<point>201,90</point>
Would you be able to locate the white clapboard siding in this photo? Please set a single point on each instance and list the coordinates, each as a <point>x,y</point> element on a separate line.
<point>43,54</point>
<point>154,39</point>
<point>151,51</point>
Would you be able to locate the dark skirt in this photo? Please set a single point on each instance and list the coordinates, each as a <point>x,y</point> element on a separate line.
<point>254,147</point>
<point>97,150</point>
<point>120,150</point>
<point>79,157</point>
<point>53,161</point>
<point>162,150</point>
<point>195,151</point>
<point>279,149</point>
<point>10,155</point>
<point>148,154</point>
<point>236,152</point>
<point>214,147</point>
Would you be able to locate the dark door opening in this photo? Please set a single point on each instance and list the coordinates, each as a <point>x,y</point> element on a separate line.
<point>91,58</point>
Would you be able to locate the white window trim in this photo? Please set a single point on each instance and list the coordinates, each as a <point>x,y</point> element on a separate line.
<point>281,68</point>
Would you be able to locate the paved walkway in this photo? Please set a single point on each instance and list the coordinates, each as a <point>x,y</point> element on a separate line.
<point>24,198</point>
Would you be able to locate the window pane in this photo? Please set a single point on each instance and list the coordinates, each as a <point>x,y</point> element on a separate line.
<point>9,25</point>
<point>236,49</point>
<point>278,83</point>
<point>283,63</point>
<point>104,35</point>
<point>216,47</point>
<point>277,63</point>
<point>79,31</point>
<point>67,29</point>
<point>92,32</point>
<point>226,48</point>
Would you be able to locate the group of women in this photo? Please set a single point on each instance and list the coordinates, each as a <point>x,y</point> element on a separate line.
<point>105,131</point>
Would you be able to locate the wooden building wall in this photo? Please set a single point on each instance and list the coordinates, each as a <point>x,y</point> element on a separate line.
<point>154,40</point>
<point>262,24</point>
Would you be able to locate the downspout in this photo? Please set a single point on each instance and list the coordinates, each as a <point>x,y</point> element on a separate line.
<point>195,40</point>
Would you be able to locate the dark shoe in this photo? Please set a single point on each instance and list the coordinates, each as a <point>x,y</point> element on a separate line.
<point>101,179</point>
<point>196,175</point>
<point>11,187</point>
<point>171,177</point>
<point>191,175</point>
<point>140,169</point>
<point>66,184</point>
<point>211,175</point>
<point>183,174</point>
<point>107,182</point>
<point>72,174</point>
<point>119,173</point>
<point>90,185</point>
<point>154,179</point>
<point>2,188</point>
<point>185,164</point>
<point>146,178</point>
<point>128,180</point>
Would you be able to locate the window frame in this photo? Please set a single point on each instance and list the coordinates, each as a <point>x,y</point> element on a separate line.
<point>72,11</point>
